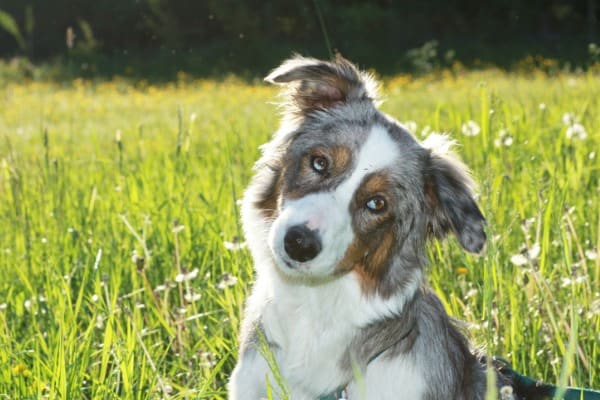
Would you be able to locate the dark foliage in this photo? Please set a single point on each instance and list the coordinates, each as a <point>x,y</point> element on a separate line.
<point>255,33</point>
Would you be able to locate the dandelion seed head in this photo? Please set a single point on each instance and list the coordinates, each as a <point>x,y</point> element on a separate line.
<point>235,244</point>
<point>506,393</point>
<point>569,119</point>
<point>470,128</point>
<point>519,259</point>
<point>576,131</point>
<point>534,251</point>
<point>192,297</point>
<point>591,254</point>
<point>227,280</point>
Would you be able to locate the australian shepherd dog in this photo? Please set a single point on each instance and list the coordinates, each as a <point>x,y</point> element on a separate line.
<point>337,218</point>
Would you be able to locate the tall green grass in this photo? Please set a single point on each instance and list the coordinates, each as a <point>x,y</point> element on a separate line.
<point>122,260</point>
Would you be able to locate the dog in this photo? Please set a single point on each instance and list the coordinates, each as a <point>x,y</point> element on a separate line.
<point>337,217</point>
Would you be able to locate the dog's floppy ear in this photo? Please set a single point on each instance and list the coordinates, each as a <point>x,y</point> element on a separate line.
<point>316,84</point>
<point>449,197</point>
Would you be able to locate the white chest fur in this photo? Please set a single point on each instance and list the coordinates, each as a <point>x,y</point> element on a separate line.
<point>314,325</point>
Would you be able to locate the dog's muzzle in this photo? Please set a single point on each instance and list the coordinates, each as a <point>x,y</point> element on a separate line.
<point>301,244</point>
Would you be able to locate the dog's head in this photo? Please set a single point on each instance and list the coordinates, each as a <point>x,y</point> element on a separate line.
<point>344,188</point>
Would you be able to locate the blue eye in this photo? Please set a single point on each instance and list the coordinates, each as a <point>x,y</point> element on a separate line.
<point>376,204</point>
<point>319,164</point>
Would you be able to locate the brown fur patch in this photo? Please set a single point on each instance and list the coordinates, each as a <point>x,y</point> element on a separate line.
<point>369,255</point>
<point>268,202</point>
<point>374,266</point>
<point>303,179</point>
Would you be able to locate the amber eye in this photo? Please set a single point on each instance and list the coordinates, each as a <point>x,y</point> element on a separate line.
<point>376,204</point>
<point>319,164</point>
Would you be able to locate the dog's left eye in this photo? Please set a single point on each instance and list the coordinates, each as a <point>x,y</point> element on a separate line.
<point>376,204</point>
<point>319,164</point>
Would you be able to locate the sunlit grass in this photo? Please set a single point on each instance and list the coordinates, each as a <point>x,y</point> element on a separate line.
<point>123,276</point>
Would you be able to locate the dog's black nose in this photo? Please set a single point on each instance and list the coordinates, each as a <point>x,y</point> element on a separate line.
<point>301,244</point>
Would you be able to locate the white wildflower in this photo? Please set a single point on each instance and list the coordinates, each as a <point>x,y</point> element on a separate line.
<point>44,240</point>
<point>572,282</point>
<point>227,280</point>
<point>234,245</point>
<point>503,139</point>
<point>27,304</point>
<point>3,306</point>
<point>192,297</point>
<point>506,393</point>
<point>591,254</point>
<point>518,259</point>
<point>543,106</point>
<point>569,119</point>
<point>576,131</point>
<point>187,276</point>
<point>470,128</point>
<point>99,321</point>
<point>178,228</point>
<point>193,117</point>
<point>534,252</point>
<point>94,298</point>
<point>592,155</point>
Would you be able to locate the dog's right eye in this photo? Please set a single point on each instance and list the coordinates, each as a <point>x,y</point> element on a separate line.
<point>319,164</point>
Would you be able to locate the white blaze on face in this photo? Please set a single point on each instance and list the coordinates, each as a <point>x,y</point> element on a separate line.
<point>328,212</point>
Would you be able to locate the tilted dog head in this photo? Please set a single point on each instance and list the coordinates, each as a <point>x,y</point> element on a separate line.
<point>344,188</point>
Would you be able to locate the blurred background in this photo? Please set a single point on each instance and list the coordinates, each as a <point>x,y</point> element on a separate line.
<point>156,39</point>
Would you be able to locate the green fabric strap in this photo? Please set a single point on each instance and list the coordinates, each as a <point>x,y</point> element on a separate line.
<point>337,395</point>
<point>531,388</point>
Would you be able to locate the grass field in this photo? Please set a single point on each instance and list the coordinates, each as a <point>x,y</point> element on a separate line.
<point>123,268</point>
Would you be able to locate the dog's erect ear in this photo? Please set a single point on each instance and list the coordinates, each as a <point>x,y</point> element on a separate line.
<point>449,198</point>
<point>316,84</point>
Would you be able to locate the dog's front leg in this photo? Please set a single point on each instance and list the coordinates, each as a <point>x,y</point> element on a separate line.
<point>250,376</point>
<point>248,380</point>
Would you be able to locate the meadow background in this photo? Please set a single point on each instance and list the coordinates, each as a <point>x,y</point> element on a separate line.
<point>123,267</point>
